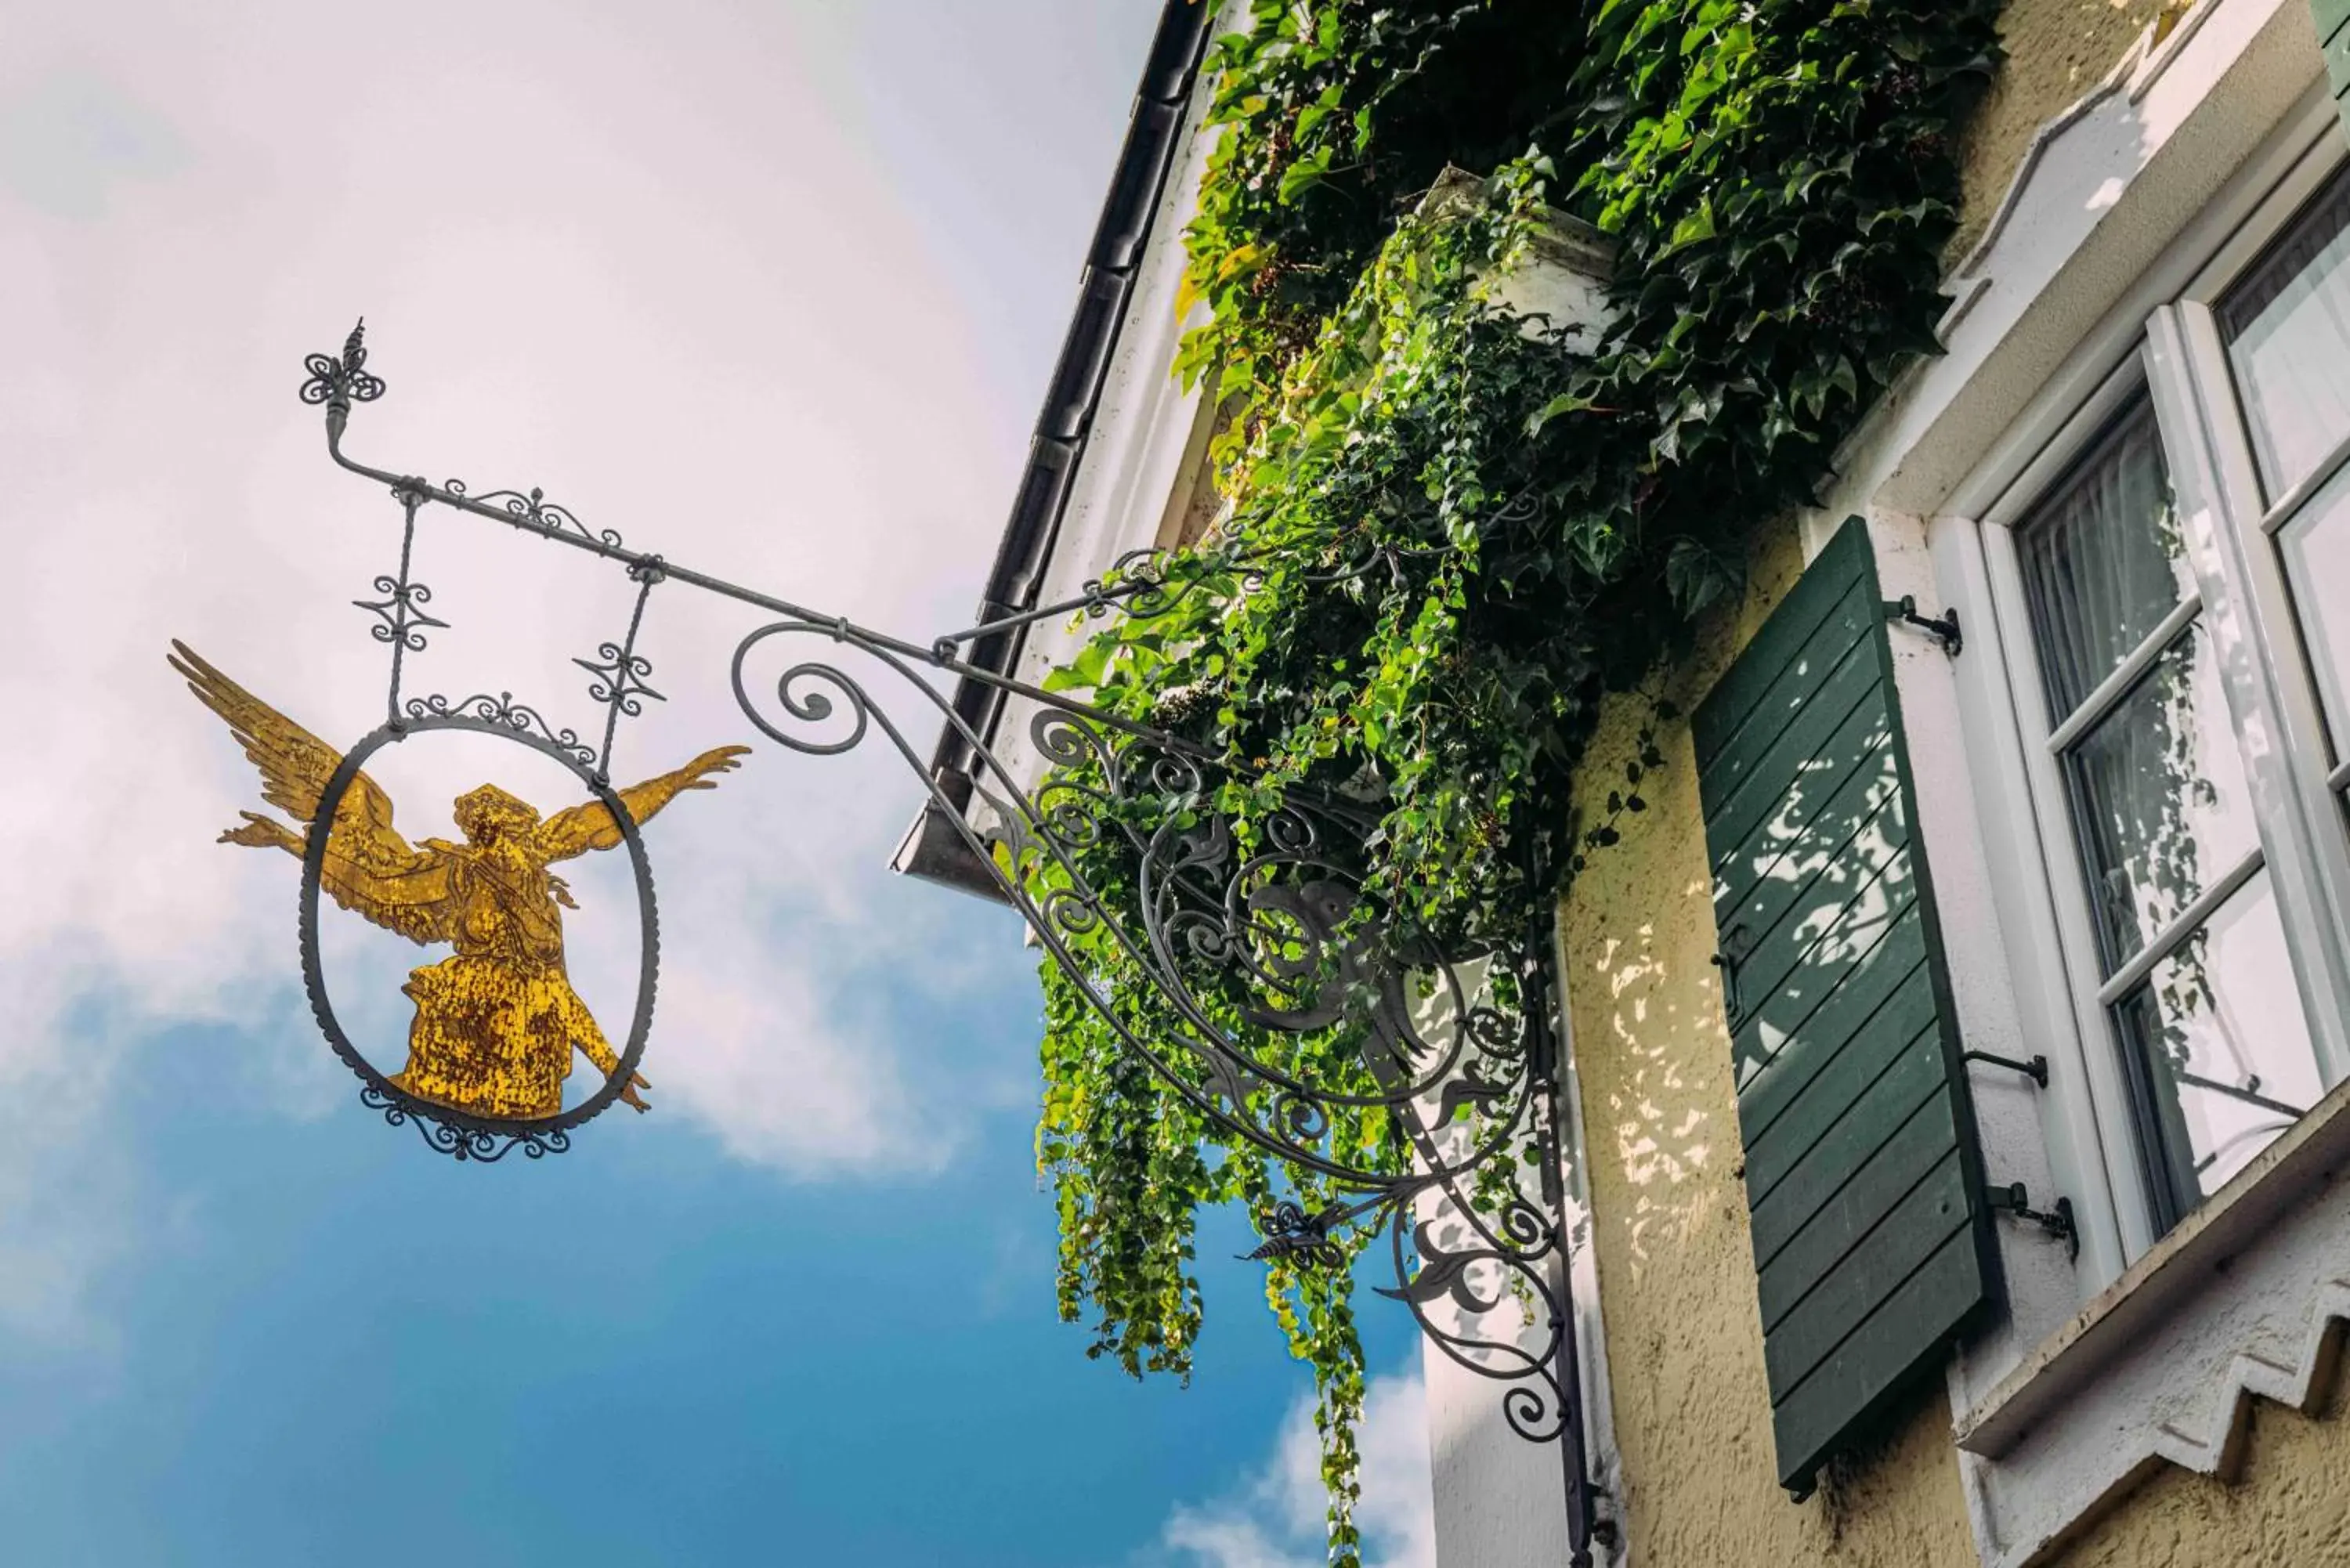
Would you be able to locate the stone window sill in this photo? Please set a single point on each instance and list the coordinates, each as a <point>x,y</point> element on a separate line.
<point>2305,1159</point>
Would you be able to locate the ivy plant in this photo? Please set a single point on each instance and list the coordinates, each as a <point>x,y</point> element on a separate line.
<point>1548,515</point>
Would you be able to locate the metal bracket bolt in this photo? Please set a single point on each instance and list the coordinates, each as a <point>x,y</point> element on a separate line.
<point>2035,1069</point>
<point>1942,628</point>
<point>2057,1221</point>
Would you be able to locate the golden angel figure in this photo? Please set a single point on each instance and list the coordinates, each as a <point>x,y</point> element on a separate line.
<point>496,1025</point>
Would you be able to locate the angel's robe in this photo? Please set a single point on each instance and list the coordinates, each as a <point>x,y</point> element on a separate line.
<point>495,1024</point>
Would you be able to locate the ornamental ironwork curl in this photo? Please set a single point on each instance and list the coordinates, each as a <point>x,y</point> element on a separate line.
<point>1285,1004</point>
<point>618,670</point>
<point>345,379</point>
<point>399,611</point>
<point>533,506</point>
<point>503,714</point>
<point>475,1144</point>
<point>620,678</point>
<point>1290,1232</point>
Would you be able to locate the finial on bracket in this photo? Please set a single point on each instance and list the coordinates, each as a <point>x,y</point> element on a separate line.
<point>340,382</point>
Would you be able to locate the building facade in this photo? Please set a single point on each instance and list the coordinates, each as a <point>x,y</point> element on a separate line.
<point>1960,1037</point>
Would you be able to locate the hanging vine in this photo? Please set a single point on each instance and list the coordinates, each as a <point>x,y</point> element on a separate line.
<point>1546,516</point>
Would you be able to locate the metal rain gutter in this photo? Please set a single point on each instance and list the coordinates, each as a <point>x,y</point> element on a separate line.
<point>934,849</point>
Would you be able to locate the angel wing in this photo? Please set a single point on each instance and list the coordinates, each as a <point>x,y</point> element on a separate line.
<point>581,828</point>
<point>370,868</point>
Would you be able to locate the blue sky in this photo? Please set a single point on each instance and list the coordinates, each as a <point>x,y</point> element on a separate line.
<point>774,288</point>
<point>337,1347</point>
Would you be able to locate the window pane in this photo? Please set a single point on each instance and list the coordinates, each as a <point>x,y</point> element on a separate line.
<point>2102,561</point>
<point>2316,547</point>
<point>2223,1047</point>
<point>2158,795</point>
<point>2288,330</point>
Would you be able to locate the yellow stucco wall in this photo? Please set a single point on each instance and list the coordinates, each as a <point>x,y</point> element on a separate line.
<point>2289,1509</point>
<point>2056,50</point>
<point>1684,1338</point>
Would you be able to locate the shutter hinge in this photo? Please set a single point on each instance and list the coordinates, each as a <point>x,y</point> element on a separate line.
<point>1734,953</point>
<point>2036,1069</point>
<point>2056,1221</point>
<point>1943,628</point>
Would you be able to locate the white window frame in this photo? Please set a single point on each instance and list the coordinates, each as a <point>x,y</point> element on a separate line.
<point>2177,360</point>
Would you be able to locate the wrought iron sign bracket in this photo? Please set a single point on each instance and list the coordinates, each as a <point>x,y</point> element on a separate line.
<point>1246,936</point>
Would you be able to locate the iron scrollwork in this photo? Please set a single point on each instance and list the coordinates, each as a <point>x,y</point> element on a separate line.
<point>1284,1002</point>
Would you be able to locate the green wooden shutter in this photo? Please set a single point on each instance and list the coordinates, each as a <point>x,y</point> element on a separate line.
<point>1864,1191</point>
<point>2333,34</point>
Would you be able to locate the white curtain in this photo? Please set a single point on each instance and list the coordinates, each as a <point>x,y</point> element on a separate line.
<point>2101,562</point>
<point>2288,328</point>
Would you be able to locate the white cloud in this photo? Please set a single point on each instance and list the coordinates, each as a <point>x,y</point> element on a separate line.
<point>635,258</point>
<point>1276,1519</point>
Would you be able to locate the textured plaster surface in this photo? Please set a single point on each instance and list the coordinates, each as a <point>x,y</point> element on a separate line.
<point>2292,1506</point>
<point>1692,1408</point>
<point>2056,51</point>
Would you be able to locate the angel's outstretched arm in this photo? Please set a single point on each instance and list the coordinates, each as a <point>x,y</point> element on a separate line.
<point>409,899</point>
<point>584,827</point>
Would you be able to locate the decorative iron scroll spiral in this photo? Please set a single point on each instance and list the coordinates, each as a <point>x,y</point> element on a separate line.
<point>398,610</point>
<point>1522,1294</point>
<point>533,506</point>
<point>806,693</point>
<point>476,1144</point>
<point>503,711</point>
<point>344,380</point>
<point>619,678</point>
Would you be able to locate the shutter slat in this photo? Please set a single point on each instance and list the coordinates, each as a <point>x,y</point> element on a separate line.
<point>1920,1224</point>
<point>1776,1063</point>
<point>1872,1156</point>
<point>1791,687</point>
<point>1735,811</point>
<point>1853,777</point>
<point>2333,38</point>
<point>1839,1087</point>
<point>1740,688</point>
<point>1877,1359</point>
<point>1816,942</point>
<point>1865,1193</point>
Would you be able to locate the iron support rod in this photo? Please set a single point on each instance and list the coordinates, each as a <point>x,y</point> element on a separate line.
<point>842,628</point>
<point>1566,1347</point>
